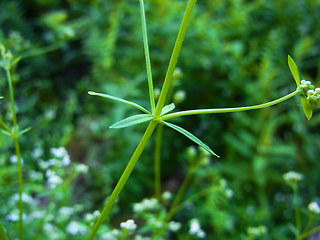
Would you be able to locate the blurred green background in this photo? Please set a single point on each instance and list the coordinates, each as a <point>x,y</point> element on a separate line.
<point>234,54</point>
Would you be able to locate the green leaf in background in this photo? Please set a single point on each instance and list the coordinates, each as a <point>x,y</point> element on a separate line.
<point>3,235</point>
<point>24,131</point>
<point>191,137</point>
<point>167,108</point>
<point>133,120</point>
<point>307,107</point>
<point>294,70</point>
<point>4,127</point>
<point>132,104</point>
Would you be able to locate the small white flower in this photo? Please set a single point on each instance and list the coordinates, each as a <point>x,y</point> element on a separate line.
<point>129,225</point>
<point>37,153</point>
<point>25,198</point>
<point>75,228</point>
<point>201,234</point>
<point>145,205</point>
<point>314,207</point>
<point>292,177</point>
<point>179,96</point>
<point>66,211</point>
<point>166,195</point>
<point>257,231</point>
<point>229,193</point>
<point>155,223</point>
<point>81,168</point>
<point>174,226</point>
<point>53,179</point>
<point>194,226</point>
<point>14,159</point>
<point>139,237</point>
<point>191,152</point>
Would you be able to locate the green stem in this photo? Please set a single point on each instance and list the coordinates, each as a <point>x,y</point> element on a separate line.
<point>147,55</point>
<point>308,225</point>
<point>179,195</point>
<point>226,110</point>
<point>14,136</point>
<point>124,177</point>
<point>42,50</point>
<point>157,162</point>
<point>174,58</point>
<point>297,212</point>
<point>312,231</point>
<point>197,195</point>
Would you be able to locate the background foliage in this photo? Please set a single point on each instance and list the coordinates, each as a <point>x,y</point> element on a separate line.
<point>234,54</point>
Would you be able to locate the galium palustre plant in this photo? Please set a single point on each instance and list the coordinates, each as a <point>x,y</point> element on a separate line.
<point>160,114</point>
<point>7,61</point>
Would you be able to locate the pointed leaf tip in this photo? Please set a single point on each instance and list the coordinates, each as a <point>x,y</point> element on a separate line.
<point>191,137</point>
<point>133,120</point>
<point>307,107</point>
<point>117,99</point>
<point>294,70</point>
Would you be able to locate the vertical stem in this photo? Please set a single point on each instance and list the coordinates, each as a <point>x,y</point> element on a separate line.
<point>174,58</point>
<point>297,212</point>
<point>147,55</point>
<point>124,177</point>
<point>179,195</point>
<point>157,161</point>
<point>14,136</point>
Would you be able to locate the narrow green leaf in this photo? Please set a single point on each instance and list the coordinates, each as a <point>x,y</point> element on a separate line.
<point>294,70</point>
<point>3,235</point>
<point>147,55</point>
<point>1,97</point>
<point>307,107</point>
<point>191,137</point>
<point>133,120</point>
<point>15,61</point>
<point>4,127</point>
<point>167,108</point>
<point>132,104</point>
<point>24,131</point>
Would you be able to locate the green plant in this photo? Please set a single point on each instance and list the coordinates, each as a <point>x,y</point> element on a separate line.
<point>300,230</point>
<point>6,62</point>
<point>160,112</point>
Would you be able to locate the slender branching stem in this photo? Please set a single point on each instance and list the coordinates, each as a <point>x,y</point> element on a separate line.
<point>124,177</point>
<point>174,58</point>
<point>308,233</point>
<point>180,194</point>
<point>14,136</point>
<point>147,55</point>
<point>296,209</point>
<point>227,110</point>
<point>157,161</point>
<point>42,50</point>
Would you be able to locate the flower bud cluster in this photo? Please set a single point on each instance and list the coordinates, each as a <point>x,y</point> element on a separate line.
<point>312,93</point>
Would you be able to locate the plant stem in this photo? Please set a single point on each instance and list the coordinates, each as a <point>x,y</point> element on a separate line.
<point>174,58</point>
<point>14,136</point>
<point>157,161</point>
<point>226,110</point>
<point>197,195</point>
<point>307,234</point>
<point>296,206</point>
<point>124,177</point>
<point>180,193</point>
<point>42,50</point>
<point>147,55</point>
